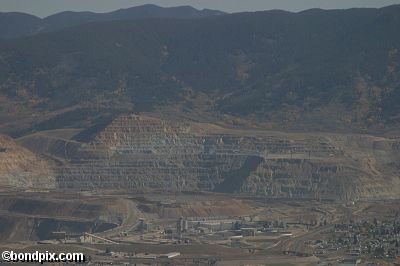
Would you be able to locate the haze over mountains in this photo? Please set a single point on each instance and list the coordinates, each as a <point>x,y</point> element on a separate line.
<point>14,24</point>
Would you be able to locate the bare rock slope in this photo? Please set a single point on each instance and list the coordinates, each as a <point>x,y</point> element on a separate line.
<point>139,152</point>
<point>21,168</point>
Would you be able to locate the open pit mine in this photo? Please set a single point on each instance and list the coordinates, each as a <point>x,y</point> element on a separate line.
<point>137,152</point>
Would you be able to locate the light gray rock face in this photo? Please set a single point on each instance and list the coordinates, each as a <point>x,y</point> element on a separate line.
<point>138,152</point>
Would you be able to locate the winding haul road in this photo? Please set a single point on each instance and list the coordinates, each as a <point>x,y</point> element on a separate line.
<point>130,221</point>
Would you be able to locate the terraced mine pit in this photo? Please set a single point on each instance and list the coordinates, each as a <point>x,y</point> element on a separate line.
<point>140,152</point>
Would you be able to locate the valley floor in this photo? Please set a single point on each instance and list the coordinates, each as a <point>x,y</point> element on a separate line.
<point>204,229</point>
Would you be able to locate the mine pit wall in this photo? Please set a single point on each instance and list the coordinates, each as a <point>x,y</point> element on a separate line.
<point>302,178</point>
<point>136,152</point>
<point>56,149</point>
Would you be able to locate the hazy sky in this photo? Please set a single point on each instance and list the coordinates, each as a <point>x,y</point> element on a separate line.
<point>47,7</point>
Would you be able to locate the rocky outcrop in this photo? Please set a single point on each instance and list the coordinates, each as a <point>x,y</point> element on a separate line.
<point>136,152</point>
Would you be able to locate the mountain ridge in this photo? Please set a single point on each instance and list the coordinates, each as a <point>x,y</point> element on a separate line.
<point>68,19</point>
<point>322,70</point>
